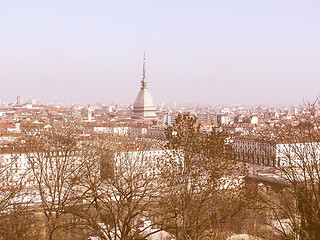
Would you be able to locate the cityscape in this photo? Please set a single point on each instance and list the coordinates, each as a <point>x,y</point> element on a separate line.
<point>160,121</point>
<point>45,147</point>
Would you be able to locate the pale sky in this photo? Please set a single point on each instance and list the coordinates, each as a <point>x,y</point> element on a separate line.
<point>206,52</point>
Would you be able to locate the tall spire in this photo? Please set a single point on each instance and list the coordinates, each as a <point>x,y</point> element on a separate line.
<point>144,81</point>
<point>143,107</point>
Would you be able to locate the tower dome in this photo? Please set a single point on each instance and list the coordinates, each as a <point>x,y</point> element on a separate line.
<point>143,107</point>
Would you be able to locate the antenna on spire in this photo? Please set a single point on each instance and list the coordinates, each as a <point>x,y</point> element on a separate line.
<point>144,81</point>
<point>144,64</point>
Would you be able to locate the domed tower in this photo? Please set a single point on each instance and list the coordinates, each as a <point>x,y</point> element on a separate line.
<point>144,107</point>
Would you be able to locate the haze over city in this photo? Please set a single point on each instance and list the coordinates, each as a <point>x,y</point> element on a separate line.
<point>208,52</point>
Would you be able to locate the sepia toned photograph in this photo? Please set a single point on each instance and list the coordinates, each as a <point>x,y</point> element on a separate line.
<point>159,120</point>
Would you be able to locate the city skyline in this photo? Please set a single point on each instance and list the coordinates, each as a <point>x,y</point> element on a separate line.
<point>205,53</point>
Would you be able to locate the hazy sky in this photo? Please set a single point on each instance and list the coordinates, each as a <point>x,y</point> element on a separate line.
<point>207,52</point>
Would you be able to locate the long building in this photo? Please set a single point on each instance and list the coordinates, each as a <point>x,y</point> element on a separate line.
<point>277,154</point>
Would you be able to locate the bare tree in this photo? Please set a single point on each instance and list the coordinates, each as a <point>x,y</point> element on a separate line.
<point>11,184</point>
<point>19,222</point>
<point>121,199</point>
<point>297,205</point>
<point>200,185</point>
<point>17,218</point>
<point>54,157</point>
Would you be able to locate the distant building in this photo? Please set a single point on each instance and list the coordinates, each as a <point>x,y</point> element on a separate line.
<point>254,120</point>
<point>268,115</point>
<point>34,101</point>
<point>207,117</point>
<point>224,119</point>
<point>167,119</point>
<point>90,113</point>
<point>277,154</point>
<point>19,101</point>
<point>255,151</point>
<point>144,107</point>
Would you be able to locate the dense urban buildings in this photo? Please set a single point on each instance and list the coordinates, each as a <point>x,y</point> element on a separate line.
<point>142,171</point>
<point>128,142</point>
<point>208,143</point>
